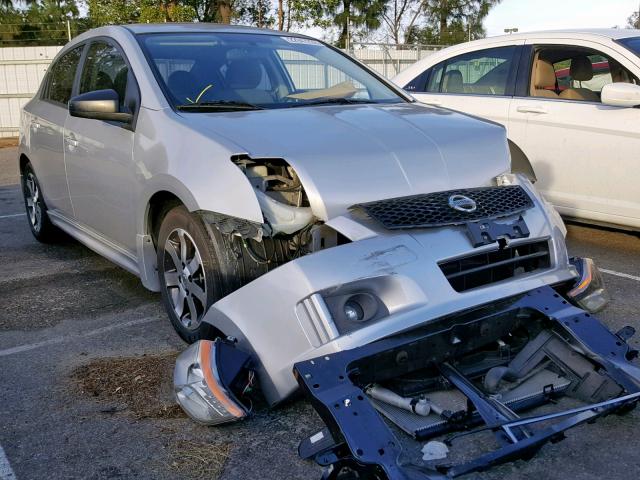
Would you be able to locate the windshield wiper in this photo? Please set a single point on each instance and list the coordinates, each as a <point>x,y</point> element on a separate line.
<point>218,105</point>
<point>333,101</point>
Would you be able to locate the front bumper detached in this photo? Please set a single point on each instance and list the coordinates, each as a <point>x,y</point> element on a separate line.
<point>597,362</point>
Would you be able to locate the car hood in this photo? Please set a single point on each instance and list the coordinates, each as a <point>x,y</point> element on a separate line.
<point>349,154</point>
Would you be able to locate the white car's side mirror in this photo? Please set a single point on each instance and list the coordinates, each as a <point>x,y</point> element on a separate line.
<point>621,94</point>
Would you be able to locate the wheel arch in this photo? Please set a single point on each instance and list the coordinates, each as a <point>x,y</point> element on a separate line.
<point>22,162</point>
<point>156,201</point>
<point>520,162</point>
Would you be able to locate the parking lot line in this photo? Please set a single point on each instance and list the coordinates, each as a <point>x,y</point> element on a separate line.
<point>6,472</point>
<point>12,215</point>
<point>51,341</point>
<point>620,274</point>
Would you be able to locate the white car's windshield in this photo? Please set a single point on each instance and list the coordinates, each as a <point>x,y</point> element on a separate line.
<point>228,71</point>
<point>632,44</point>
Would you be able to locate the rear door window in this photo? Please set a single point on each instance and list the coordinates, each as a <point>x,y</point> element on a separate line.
<point>61,77</point>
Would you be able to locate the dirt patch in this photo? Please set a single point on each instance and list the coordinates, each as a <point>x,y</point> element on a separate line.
<point>8,142</point>
<point>199,460</point>
<point>140,386</point>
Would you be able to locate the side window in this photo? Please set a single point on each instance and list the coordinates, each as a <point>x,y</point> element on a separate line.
<point>485,72</point>
<point>419,83</point>
<point>61,76</point>
<point>104,68</point>
<point>581,73</point>
<point>435,79</point>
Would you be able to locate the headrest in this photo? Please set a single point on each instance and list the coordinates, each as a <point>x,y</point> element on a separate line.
<point>581,68</point>
<point>544,75</point>
<point>244,74</point>
<point>453,81</point>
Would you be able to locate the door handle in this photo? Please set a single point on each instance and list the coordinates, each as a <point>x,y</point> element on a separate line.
<point>527,109</point>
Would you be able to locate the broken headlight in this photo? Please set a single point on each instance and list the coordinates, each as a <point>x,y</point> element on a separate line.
<point>589,291</point>
<point>206,378</point>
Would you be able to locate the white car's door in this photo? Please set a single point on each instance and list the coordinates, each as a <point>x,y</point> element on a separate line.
<point>99,154</point>
<point>480,82</point>
<point>584,153</point>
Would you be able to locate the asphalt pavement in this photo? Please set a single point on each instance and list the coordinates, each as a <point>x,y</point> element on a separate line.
<point>64,308</point>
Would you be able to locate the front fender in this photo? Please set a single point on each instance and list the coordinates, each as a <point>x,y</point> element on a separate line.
<point>193,166</point>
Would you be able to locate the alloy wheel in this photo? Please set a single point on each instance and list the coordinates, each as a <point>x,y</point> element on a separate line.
<point>185,278</point>
<point>34,202</point>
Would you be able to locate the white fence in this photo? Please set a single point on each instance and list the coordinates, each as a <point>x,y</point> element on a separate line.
<point>22,70</point>
<point>389,60</point>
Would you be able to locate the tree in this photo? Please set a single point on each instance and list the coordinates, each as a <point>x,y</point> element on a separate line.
<point>42,22</point>
<point>353,14</point>
<point>634,20</point>
<point>400,16</point>
<point>451,21</point>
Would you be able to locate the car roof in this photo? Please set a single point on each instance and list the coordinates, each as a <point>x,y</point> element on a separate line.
<point>612,33</point>
<point>202,27</point>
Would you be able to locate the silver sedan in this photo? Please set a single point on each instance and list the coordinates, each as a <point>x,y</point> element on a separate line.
<point>277,191</point>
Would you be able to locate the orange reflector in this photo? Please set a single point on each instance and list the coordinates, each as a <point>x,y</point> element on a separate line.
<point>206,362</point>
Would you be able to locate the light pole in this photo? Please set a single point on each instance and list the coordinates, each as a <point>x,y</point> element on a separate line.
<point>510,30</point>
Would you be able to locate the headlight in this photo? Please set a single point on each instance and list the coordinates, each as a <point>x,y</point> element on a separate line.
<point>203,383</point>
<point>589,291</point>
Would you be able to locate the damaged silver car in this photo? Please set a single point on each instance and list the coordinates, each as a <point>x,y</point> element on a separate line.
<point>312,228</point>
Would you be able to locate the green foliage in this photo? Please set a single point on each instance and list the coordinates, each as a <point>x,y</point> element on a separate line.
<point>113,12</point>
<point>41,22</point>
<point>451,21</point>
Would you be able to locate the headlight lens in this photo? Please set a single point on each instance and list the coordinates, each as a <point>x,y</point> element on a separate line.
<point>202,389</point>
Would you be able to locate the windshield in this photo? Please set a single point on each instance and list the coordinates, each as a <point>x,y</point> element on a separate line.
<point>243,71</point>
<point>632,44</point>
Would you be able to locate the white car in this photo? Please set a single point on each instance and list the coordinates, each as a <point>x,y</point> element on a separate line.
<point>568,100</point>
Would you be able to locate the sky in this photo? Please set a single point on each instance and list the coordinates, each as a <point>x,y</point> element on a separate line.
<point>530,15</point>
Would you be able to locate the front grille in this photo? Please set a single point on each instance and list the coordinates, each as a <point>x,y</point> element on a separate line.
<point>433,210</point>
<point>489,267</point>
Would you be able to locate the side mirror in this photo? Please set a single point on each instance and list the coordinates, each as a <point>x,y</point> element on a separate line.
<point>98,105</point>
<point>621,94</point>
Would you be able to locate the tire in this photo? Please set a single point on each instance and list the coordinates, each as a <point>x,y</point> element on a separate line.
<point>39,222</point>
<point>189,273</point>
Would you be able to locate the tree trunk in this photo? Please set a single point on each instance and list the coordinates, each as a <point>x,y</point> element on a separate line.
<point>344,33</point>
<point>444,12</point>
<point>280,15</point>
<point>224,12</point>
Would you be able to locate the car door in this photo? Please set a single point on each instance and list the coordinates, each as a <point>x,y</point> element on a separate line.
<point>479,82</point>
<point>48,114</point>
<point>98,154</point>
<point>584,153</point>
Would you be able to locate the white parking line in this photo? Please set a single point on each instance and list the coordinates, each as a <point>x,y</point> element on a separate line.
<point>6,472</point>
<point>52,341</point>
<point>12,215</point>
<point>620,274</point>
